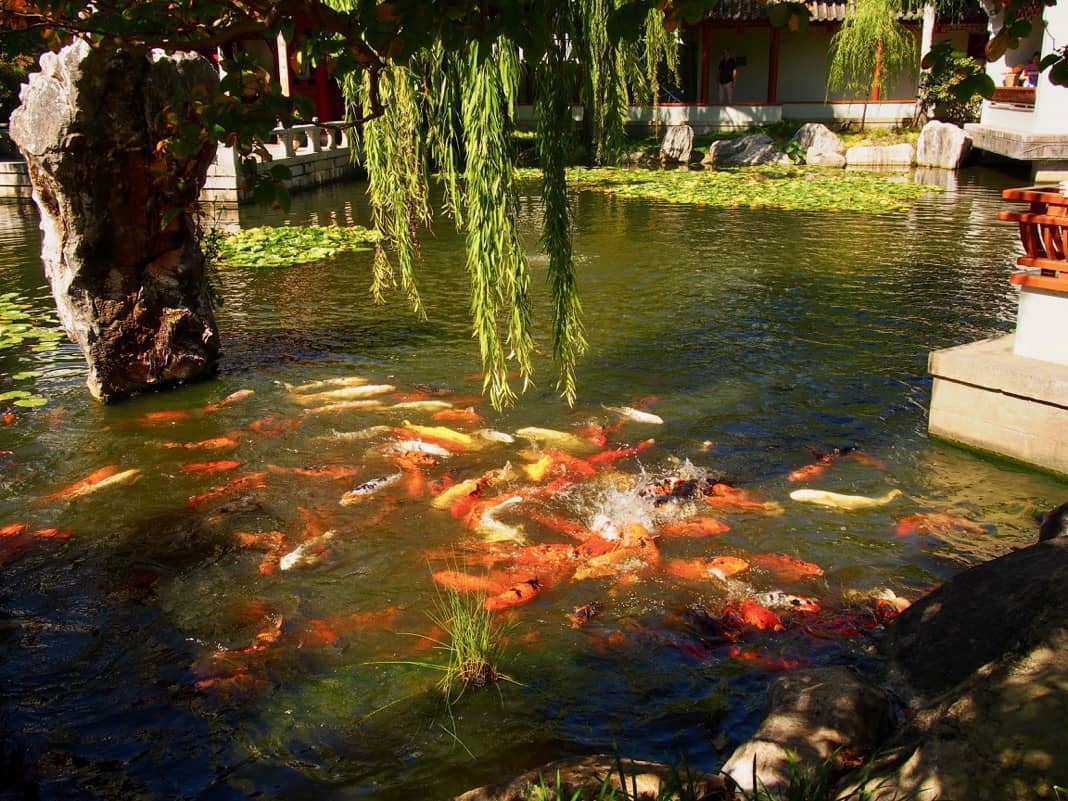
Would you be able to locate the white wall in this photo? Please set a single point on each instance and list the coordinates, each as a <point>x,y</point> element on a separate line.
<point>751,42</point>
<point>1051,102</point>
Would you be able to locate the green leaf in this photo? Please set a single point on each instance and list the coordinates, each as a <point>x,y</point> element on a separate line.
<point>15,393</point>
<point>30,403</point>
<point>27,374</point>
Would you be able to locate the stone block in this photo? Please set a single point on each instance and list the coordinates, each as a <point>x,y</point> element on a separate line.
<point>819,158</point>
<point>942,145</point>
<point>902,155</point>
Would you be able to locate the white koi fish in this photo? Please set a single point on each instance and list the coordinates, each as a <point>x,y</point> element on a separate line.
<point>343,394</point>
<point>417,445</point>
<point>364,433</point>
<point>493,530</point>
<point>777,599</point>
<point>307,553</point>
<point>329,383</point>
<point>344,406</point>
<point>490,435</point>
<point>115,480</point>
<point>635,415</point>
<point>421,405</point>
<point>359,493</point>
<point>836,500</point>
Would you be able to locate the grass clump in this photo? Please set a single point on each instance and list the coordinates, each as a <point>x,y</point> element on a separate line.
<point>473,641</point>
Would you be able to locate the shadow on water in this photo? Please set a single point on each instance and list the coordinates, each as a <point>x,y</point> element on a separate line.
<point>759,337</point>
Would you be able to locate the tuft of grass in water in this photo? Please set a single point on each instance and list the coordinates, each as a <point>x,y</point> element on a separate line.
<point>474,642</point>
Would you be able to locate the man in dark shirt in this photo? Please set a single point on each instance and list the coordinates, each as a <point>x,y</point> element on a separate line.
<point>728,73</point>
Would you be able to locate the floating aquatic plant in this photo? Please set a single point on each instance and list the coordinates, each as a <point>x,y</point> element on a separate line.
<point>789,188</point>
<point>20,328</point>
<point>290,245</point>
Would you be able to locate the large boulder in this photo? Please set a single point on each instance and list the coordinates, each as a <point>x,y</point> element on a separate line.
<point>822,158</point>
<point>119,246</point>
<point>982,658</point>
<point>817,715</point>
<point>748,151</point>
<point>814,138</point>
<point>943,145</point>
<point>677,144</point>
<point>902,155</point>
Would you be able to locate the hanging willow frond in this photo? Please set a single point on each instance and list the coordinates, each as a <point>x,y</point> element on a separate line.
<point>441,78</point>
<point>500,280</point>
<point>394,157</point>
<point>554,88</point>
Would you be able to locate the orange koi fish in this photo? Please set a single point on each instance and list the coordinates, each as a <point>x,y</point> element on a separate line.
<point>584,614</point>
<point>77,487</point>
<point>465,582</point>
<point>220,466</point>
<point>8,417</point>
<point>607,457</point>
<point>750,613</point>
<point>762,661</point>
<point>698,527</point>
<point>330,472</point>
<point>935,523</point>
<point>468,416</point>
<point>251,481</point>
<point>562,525</point>
<point>719,567</point>
<point>732,499</point>
<point>167,416</point>
<point>519,593</point>
<point>214,443</point>
<point>787,568</point>
<point>14,529</point>
<point>809,471</point>
<point>274,426</point>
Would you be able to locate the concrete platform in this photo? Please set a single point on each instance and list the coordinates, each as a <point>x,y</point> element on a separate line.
<point>988,398</point>
<point>1047,152</point>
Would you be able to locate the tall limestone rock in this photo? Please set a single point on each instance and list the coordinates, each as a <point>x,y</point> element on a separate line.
<point>130,290</point>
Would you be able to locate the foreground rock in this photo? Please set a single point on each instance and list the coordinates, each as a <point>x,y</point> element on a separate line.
<point>130,291</point>
<point>749,151</point>
<point>677,144</point>
<point>984,658</point>
<point>588,775</point>
<point>815,139</point>
<point>816,714</point>
<point>942,145</point>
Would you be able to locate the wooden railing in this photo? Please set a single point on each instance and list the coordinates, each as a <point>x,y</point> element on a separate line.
<point>1044,235</point>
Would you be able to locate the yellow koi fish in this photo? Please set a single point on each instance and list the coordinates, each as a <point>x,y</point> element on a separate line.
<point>442,434</point>
<point>329,383</point>
<point>343,394</point>
<point>559,439</point>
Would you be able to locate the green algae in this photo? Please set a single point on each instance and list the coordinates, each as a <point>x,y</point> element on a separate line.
<point>291,245</point>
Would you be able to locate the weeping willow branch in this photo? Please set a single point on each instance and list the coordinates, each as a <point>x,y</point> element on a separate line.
<point>500,281</point>
<point>871,49</point>
<point>552,105</point>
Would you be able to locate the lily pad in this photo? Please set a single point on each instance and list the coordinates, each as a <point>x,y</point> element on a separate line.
<point>290,245</point>
<point>31,402</point>
<point>13,394</point>
<point>27,374</point>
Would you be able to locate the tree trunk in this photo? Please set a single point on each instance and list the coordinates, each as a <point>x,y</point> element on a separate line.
<point>130,290</point>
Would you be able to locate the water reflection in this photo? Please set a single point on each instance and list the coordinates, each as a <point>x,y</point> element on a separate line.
<point>759,337</point>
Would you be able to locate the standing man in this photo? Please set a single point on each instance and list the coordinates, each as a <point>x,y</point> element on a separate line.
<point>728,74</point>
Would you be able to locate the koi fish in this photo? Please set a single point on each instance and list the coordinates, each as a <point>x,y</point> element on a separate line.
<point>220,466</point>
<point>934,522</point>
<point>441,434</point>
<point>750,613</point>
<point>344,394</point>
<point>719,567</point>
<point>421,405</point>
<point>251,481</point>
<point>732,499</point>
<point>777,599</point>
<point>699,527</point>
<point>166,416</point>
<point>468,415</point>
<point>229,400</point>
<point>465,582</point>
<point>363,491</point>
<point>325,384</point>
<point>344,406</point>
<point>416,446</point>
<point>309,552</point>
<point>447,497</point>
<point>772,664</point>
<point>785,567</point>
<point>519,593</point>
<point>490,435</point>
<point>364,433</point>
<point>607,457</point>
<point>215,443</point>
<point>809,471</point>
<point>331,472</point>
<point>274,426</point>
<point>836,500</point>
<point>635,415</point>
<point>584,614</point>
<point>493,530</point>
<point>14,529</point>
<point>560,439</point>
<point>101,479</point>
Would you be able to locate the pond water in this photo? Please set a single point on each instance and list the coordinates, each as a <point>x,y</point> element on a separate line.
<point>158,651</point>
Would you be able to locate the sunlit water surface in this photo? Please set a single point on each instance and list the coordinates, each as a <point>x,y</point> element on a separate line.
<point>758,336</point>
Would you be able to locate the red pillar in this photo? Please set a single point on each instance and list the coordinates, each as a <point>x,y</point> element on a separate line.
<point>773,67</point>
<point>706,60</point>
<point>878,70</point>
